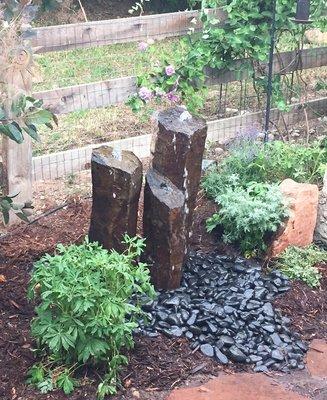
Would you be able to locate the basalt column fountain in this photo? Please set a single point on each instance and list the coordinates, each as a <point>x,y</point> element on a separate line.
<point>117,181</point>
<point>171,188</point>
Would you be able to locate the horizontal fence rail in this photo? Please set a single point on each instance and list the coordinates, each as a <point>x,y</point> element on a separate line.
<point>113,91</point>
<point>283,63</point>
<point>121,30</point>
<point>57,165</point>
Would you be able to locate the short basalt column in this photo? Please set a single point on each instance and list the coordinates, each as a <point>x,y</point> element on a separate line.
<point>164,229</point>
<point>170,194</point>
<point>117,181</point>
<point>178,153</point>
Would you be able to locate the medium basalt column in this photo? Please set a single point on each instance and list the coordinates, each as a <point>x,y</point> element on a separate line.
<point>178,153</point>
<point>164,229</point>
<point>117,180</point>
<point>170,194</point>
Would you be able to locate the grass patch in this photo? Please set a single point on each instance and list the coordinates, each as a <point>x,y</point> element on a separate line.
<point>81,128</point>
<point>73,67</point>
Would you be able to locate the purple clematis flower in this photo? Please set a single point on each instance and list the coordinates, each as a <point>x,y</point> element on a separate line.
<point>170,70</point>
<point>143,46</point>
<point>145,93</point>
<point>173,97</point>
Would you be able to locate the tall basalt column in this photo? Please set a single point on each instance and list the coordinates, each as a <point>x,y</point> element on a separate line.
<point>178,153</point>
<point>164,229</point>
<point>170,194</point>
<point>117,181</point>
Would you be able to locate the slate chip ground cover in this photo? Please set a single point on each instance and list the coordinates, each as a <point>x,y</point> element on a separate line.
<point>224,308</point>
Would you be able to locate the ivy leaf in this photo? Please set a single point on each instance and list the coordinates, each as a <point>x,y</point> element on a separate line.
<point>22,216</point>
<point>39,117</point>
<point>15,132</point>
<point>32,132</point>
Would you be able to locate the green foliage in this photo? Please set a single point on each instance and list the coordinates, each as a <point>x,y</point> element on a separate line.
<point>25,114</point>
<point>20,210</point>
<point>299,263</point>
<point>244,34</point>
<point>47,380</point>
<point>19,113</point>
<point>85,315</point>
<point>251,160</point>
<point>245,186</point>
<point>162,5</point>
<point>247,215</point>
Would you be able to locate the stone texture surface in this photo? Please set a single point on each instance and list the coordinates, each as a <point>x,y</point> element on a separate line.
<point>299,228</point>
<point>117,180</point>
<point>320,234</point>
<point>317,358</point>
<point>170,193</point>
<point>224,307</point>
<point>164,228</point>
<point>178,152</point>
<point>237,387</point>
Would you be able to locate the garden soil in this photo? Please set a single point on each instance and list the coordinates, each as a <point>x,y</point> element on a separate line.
<point>156,365</point>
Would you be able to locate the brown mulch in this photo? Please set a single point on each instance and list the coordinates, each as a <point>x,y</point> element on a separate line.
<point>28,242</point>
<point>307,307</point>
<point>155,364</point>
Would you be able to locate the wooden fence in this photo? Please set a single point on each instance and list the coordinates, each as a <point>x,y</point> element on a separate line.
<point>114,91</point>
<point>121,30</point>
<point>56,165</point>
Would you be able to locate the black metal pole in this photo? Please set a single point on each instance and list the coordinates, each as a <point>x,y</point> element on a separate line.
<point>270,69</point>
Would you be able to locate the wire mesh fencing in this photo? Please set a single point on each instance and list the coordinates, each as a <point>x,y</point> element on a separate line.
<point>94,65</point>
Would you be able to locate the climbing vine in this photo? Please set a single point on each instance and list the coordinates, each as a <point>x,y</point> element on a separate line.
<point>245,34</point>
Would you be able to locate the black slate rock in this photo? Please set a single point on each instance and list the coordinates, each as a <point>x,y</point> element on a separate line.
<point>220,357</point>
<point>207,350</point>
<point>224,308</point>
<point>236,354</point>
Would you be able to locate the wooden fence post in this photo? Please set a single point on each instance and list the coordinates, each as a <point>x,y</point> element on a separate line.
<point>16,171</point>
<point>16,174</point>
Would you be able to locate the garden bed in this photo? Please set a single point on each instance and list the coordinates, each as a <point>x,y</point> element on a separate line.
<point>156,364</point>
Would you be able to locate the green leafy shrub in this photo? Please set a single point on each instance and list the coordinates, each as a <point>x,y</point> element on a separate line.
<point>248,215</point>
<point>299,263</point>
<point>85,315</point>
<point>245,186</point>
<point>251,160</point>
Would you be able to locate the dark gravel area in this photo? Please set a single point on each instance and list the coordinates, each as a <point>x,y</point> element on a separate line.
<point>224,308</point>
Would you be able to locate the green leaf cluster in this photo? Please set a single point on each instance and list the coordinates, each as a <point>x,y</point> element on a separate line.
<point>47,380</point>
<point>85,314</point>
<point>245,187</point>
<point>299,263</point>
<point>245,34</point>
<point>21,210</point>
<point>25,114</point>
<point>251,160</point>
<point>247,215</point>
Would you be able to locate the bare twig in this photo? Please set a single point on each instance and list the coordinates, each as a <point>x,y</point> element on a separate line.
<point>83,10</point>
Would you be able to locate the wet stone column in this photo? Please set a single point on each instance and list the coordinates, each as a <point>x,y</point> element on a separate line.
<point>178,153</point>
<point>117,181</point>
<point>170,194</point>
